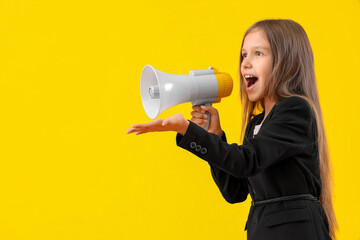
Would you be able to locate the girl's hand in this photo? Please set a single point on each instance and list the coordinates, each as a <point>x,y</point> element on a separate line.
<point>176,123</point>
<point>200,118</point>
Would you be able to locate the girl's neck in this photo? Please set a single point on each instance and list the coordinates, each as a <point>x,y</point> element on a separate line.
<point>269,104</point>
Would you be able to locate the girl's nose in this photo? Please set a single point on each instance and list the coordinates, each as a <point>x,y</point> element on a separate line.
<point>246,63</point>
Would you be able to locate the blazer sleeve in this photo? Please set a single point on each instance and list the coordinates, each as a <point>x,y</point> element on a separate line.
<point>286,134</point>
<point>233,189</point>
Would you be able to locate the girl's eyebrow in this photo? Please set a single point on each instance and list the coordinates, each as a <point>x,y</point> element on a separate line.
<point>256,47</point>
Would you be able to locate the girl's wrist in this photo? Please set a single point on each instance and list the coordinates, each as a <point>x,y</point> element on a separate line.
<point>182,130</point>
<point>219,133</point>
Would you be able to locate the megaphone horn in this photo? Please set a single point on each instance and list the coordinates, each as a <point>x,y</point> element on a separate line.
<point>160,91</point>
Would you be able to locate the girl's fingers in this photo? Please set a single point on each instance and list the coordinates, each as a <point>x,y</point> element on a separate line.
<point>138,133</point>
<point>130,130</point>
<point>198,115</point>
<point>153,126</point>
<point>145,125</point>
<point>209,109</point>
<point>149,124</point>
<point>138,126</point>
<point>198,121</point>
<point>198,109</point>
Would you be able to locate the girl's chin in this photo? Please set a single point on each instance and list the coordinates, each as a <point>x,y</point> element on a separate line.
<point>253,98</point>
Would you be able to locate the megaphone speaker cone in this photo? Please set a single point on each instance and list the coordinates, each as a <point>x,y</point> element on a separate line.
<point>148,83</point>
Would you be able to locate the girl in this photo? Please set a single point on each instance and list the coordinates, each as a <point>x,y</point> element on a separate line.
<point>283,161</point>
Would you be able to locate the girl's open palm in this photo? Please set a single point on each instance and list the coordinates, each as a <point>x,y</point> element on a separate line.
<point>176,123</point>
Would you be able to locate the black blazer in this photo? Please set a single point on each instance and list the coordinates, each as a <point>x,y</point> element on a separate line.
<point>281,160</point>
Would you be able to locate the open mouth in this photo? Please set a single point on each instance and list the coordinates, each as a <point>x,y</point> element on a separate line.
<point>250,80</point>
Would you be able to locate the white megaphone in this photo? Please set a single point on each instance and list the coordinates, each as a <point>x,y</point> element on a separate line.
<point>160,90</point>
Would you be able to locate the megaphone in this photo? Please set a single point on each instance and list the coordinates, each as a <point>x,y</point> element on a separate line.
<point>160,91</point>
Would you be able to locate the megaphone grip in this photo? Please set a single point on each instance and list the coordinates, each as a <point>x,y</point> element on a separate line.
<point>206,126</point>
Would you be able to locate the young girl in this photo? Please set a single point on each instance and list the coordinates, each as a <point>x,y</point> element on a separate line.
<point>283,161</point>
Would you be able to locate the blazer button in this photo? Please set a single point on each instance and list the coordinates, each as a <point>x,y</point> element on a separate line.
<point>198,148</point>
<point>203,150</point>
<point>193,145</point>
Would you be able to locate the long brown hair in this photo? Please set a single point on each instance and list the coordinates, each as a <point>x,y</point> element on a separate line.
<point>292,74</point>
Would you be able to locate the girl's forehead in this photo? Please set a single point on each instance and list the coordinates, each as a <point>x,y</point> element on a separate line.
<point>256,39</point>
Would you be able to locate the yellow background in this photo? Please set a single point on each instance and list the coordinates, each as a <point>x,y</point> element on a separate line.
<point>70,74</point>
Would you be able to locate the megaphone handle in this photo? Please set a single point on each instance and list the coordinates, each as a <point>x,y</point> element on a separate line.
<point>206,126</point>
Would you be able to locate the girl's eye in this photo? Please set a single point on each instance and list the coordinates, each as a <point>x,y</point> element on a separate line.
<point>257,53</point>
<point>245,54</point>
